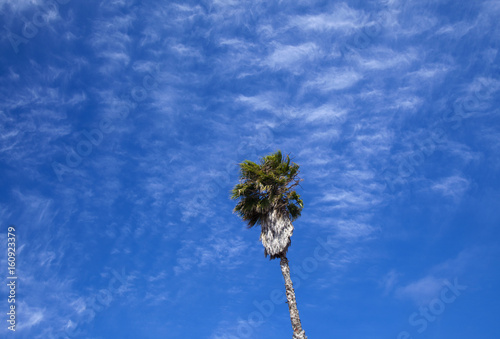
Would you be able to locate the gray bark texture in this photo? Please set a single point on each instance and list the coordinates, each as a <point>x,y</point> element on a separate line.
<point>298,332</point>
<point>276,231</point>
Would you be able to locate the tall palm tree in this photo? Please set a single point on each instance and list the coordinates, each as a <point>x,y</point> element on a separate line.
<point>266,197</point>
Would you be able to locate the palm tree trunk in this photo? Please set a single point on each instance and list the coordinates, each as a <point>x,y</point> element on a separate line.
<point>298,332</point>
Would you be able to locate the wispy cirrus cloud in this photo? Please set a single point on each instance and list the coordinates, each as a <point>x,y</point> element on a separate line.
<point>422,290</point>
<point>292,57</point>
<point>453,187</point>
<point>342,17</point>
<point>333,79</point>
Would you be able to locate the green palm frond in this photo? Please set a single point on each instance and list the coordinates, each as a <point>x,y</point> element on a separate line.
<point>266,187</point>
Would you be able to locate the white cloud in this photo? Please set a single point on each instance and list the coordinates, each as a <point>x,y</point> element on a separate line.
<point>335,78</point>
<point>218,250</point>
<point>111,40</point>
<point>389,281</point>
<point>457,30</point>
<point>343,18</point>
<point>429,74</point>
<point>327,112</point>
<point>454,186</point>
<point>30,316</point>
<point>421,291</point>
<point>20,5</point>
<point>348,198</point>
<point>264,102</point>
<point>384,58</point>
<point>292,57</point>
<point>352,230</point>
<point>186,51</point>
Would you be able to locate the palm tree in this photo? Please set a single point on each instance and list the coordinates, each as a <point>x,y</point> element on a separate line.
<point>266,197</point>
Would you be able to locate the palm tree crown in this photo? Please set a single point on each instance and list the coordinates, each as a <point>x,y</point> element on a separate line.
<point>267,198</point>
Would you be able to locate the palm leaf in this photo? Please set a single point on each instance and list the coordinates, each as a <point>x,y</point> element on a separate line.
<point>266,197</point>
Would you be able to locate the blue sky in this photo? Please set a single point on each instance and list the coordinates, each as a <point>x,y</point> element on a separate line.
<point>122,124</point>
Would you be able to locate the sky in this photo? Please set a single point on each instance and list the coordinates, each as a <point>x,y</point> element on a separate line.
<point>122,123</point>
